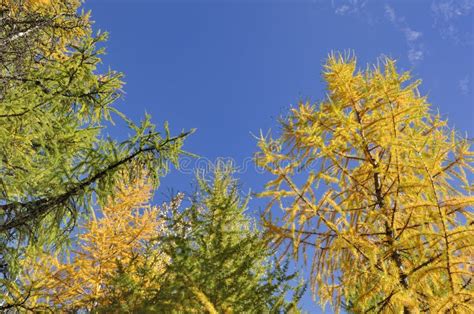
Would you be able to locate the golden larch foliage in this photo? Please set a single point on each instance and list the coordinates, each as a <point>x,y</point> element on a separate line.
<point>378,190</point>
<point>118,236</point>
<point>55,25</point>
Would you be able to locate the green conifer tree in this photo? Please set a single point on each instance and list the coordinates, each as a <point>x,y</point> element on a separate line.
<point>219,260</point>
<point>54,103</point>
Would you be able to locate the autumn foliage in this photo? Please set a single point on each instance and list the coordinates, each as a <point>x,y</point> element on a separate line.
<point>370,189</point>
<point>56,157</point>
<point>376,188</point>
<point>116,238</point>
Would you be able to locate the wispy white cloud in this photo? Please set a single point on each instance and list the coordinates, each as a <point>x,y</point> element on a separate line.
<point>390,13</point>
<point>356,8</point>
<point>343,9</point>
<point>350,7</point>
<point>415,55</point>
<point>412,35</point>
<point>448,14</point>
<point>449,9</point>
<point>416,50</point>
<point>464,85</point>
<point>373,14</point>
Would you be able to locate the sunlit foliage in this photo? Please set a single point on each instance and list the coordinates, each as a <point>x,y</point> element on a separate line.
<point>369,186</point>
<point>82,277</point>
<point>377,190</point>
<point>55,159</point>
<point>219,261</point>
<point>208,257</point>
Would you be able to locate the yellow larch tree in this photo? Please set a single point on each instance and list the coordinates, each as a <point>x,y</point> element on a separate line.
<point>116,238</point>
<point>35,32</point>
<point>376,191</point>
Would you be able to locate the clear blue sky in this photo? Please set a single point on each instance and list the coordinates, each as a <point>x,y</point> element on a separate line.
<point>231,68</point>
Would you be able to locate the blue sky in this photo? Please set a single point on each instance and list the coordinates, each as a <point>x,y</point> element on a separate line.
<point>231,68</point>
